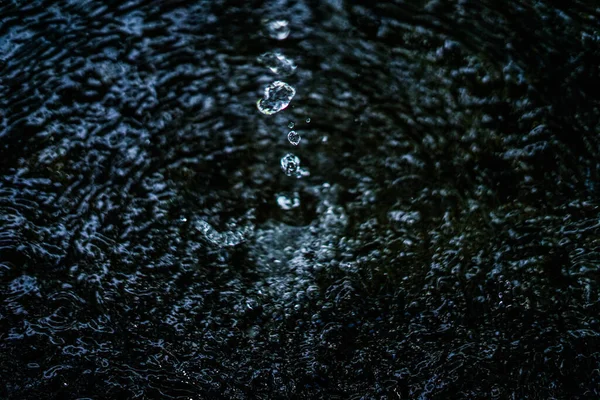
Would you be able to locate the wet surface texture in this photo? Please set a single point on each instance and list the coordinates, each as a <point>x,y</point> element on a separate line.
<point>439,237</point>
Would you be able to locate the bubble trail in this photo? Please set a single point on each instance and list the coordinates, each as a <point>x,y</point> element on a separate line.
<point>288,201</point>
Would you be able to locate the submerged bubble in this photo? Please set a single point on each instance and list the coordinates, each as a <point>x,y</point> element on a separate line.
<point>302,172</point>
<point>291,125</point>
<point>277,97</point>
<point>288,201</point>
<point>308,120</point>
<point>278,29</point>
<point>223,239</point>
<point>277,63</point>
<point>290,164</point>
<point>294,138</point>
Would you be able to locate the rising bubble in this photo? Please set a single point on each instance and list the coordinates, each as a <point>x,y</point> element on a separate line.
<point>278,29</point>
<point>294,138</point>
<point>277,63</point>
<point>290,164</point>
<point>223,239</point>
<point>288,201</point>
<point>277,97</point>
<point>291,125</point>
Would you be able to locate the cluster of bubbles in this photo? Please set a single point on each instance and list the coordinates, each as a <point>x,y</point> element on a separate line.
<point>278,95</point>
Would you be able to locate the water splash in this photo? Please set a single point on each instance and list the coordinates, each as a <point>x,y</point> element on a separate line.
<point>290,164</point>
<point>277,97</point>
<point>223,239</point>
<point>294,138</point>
<point>278,29</point>
<point>277,63</point>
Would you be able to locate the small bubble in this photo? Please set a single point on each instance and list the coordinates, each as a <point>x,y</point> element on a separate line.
<point>288,201</point>
<point>276,98</point>
<point>312,291</point>
<point>308,120</point>
<point>302,172</point>
<point>278,29</point>
<point>290,164</point>
<point>291,125</point>
<point>294,138</point>
<point>277,63</point>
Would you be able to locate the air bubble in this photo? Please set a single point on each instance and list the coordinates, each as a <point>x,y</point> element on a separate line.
<point>294,138</point>
<point>277,63</point>
<point>278,29</point>
<point>288,202</point>
<point>290,164</point>
<point>291,125</point>
<point>277,97</point>
<point>308,120</point>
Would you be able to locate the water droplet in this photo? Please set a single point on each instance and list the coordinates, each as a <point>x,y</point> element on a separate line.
<point>278,29</point>
<point>290,164</point>
<point>291,125</point>
<point>277,97</point>
<point>288,201</point>
<point>294,138</point>
<point>277,63</point>
<point>308,120</point>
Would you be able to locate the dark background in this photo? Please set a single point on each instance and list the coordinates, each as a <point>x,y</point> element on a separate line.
<point>446,243</point>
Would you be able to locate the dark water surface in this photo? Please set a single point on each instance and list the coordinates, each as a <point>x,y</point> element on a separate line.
<point>442,240</point>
